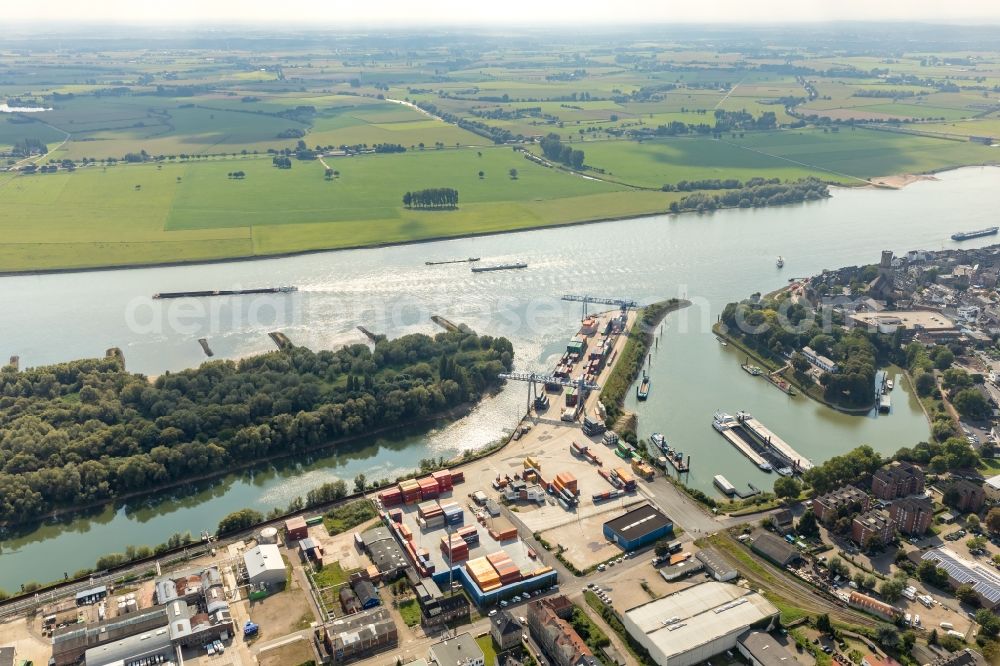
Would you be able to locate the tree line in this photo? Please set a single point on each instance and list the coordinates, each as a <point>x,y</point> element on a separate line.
<point>88,431</point>
<point>717,184</point>
<point>390,148</point>
<point>554,149</point>
<point>755,196</point>
<point>437,197</point>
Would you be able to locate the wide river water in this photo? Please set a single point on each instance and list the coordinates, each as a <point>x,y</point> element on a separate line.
<point>709,259</point>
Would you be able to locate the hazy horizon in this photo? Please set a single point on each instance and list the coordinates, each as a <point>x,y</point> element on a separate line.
<point>398,13</point>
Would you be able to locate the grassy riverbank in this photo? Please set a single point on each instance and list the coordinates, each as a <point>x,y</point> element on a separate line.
<point>811,389</point>
<point>629,362</point>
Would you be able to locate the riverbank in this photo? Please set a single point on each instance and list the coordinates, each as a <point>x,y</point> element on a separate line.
<point>601,208</point>
<point>813,391</point>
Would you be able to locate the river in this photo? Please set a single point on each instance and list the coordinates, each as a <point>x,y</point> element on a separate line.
<point>709,259</point>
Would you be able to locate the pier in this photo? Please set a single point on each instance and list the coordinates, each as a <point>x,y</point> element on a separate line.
<point>204,345</point>
<point>501,267</point>
<point>368,334</point>
<point>280,339</point>
<point>780,447</point>
<point>738,438</point>
<point>444,323</point>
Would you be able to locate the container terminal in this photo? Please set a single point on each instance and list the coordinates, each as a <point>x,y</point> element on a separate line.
<point>225,292</point>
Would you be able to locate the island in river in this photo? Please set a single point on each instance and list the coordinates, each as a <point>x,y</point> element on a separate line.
<point>87,432</point>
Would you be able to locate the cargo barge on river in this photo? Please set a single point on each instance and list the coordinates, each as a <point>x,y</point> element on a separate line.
<point>499,267</point>
<point>967,235</point>
<point>225,292</point>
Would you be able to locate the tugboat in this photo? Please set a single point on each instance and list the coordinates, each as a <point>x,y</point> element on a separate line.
<point>780,263</point>
<point>659,441</point>
<point>642,390</point>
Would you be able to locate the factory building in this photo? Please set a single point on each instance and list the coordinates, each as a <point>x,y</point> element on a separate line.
<point>461,650</point>
<point>357,636</point>
<point>716,565</point>
<point>695,624</point>
<point>638,527</point>
<point>264,565</point>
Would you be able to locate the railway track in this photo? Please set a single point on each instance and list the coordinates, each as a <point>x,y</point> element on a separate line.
<point>792,589</point>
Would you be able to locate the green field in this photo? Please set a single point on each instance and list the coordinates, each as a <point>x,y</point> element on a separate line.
<point>199,113</point>
<point>193,211</point>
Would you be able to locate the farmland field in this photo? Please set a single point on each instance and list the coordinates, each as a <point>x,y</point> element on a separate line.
<point>154,134</point>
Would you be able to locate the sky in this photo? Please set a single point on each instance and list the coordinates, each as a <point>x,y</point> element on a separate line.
<point>333,13</point>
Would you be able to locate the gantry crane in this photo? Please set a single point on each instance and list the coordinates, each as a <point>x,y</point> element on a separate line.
<point>624,304</point>
<point>533,379</point>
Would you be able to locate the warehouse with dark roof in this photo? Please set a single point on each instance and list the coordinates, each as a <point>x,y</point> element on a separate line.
<point>639,527</point>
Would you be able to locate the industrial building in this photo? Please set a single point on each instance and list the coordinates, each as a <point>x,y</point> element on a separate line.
<point>132,649</point>
<point>695,624</point>
<point>716,565</point>
<point>384,552</point>
<point>360,635</point>
<point>985,580</point>
<point>873,606</point>
<point>71,642</point>
<point>264,565</point>
<point>775,549</point>
<point>762,649</point>
<point>461,650</point>
<point>639,527</point>
<point>296,528</point>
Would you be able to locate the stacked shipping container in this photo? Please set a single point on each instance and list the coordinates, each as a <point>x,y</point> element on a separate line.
<point>454,548</point>
<point>505,568</point>
<point>483,574</point>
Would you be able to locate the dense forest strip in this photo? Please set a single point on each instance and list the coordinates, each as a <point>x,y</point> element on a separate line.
<point>86,432</point>
<point>628,364</point>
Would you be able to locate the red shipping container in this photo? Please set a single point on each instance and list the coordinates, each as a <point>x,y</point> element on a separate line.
<point>457,477</point>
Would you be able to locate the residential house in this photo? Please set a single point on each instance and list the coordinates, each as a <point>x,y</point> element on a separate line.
<point>912,515</point>
<point>838,503</point>
<point>897,480</point>
<point>558,640</point>
<point>505,630</point>
<point>964,495</point>
<point>872,526</point>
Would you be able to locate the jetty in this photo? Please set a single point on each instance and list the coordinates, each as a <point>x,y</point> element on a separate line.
<point>728,427</point>
<point>368,334</point>
<point>204,345</point>
<point>280,339</point>
<point>773,443</point>
<point>224,292</point>
<point>499,267</point>
<point>444,323</point>
<point>452,261</point>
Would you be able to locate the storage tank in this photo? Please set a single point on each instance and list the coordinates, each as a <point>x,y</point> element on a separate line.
<point>268,535</point>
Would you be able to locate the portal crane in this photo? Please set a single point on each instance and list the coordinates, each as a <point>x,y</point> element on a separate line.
<point>534,379</point>
<point>624,304</point>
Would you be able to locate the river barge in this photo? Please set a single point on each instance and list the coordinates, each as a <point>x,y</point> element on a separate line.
<point>452,261</point>
<point>225,292</point>
<point>499,267</point>
<point>642,390</point>
<point>979,233</point>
